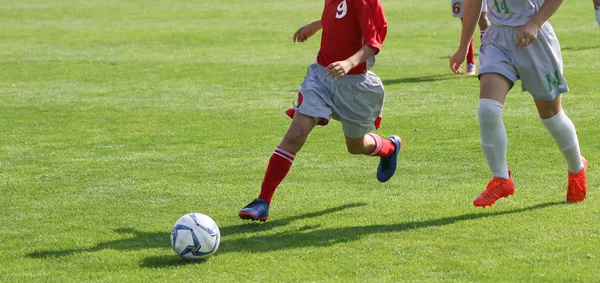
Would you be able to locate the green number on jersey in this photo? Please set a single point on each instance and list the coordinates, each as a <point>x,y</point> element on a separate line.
<point>502,6</point>
<point>555,82</point>
<point>549,83</point>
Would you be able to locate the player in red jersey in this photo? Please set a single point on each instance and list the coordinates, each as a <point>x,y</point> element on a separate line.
<point>339,85</point>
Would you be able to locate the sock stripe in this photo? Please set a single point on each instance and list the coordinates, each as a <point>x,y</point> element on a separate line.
<point>285,154</point>
<point>378,143</point>
<point>284,157</point>
<point>283,151</point>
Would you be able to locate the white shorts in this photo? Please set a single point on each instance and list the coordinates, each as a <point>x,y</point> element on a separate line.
<point>355,100</point>
<point>538,65</point>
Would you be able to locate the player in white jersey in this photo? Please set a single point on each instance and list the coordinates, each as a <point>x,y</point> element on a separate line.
<point>597,9</point>
<point>520,44</point>
<point>457,12</point>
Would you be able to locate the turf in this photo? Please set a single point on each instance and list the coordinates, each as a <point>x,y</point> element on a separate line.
<point>118,117</point>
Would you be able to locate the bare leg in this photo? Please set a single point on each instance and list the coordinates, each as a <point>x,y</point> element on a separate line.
<point>298,132</point>
<point>494,86</point>
<point>362,145</point>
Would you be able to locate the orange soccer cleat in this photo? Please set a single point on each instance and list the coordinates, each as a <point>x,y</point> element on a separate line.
<point>497,188</point>
<point>577,188</point>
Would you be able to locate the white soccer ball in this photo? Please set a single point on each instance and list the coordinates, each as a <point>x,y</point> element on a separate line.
<point>195,236</point>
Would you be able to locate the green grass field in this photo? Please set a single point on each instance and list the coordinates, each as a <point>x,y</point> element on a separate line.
<point>118,117</point>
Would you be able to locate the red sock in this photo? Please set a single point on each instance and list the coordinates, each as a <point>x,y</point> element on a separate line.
<point>383,148</point>
<point>279,165</point>
<point>471,53</point>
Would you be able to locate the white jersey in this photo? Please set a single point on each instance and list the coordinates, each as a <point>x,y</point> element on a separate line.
<point>512,12</point>
<point>458,5</point>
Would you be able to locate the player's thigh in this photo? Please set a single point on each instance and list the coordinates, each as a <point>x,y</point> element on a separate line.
<point>494,86</point>
<point>596,3</point>
<point>298,132</point>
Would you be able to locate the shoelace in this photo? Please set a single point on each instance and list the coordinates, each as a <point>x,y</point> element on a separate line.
<point>490,192</point>
<point>254,204</point>
<point>574,184</point>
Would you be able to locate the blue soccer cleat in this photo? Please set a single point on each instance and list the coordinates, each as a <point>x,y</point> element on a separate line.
<point>471,69</point>
<point>387,165</point>
<point>258,209</point>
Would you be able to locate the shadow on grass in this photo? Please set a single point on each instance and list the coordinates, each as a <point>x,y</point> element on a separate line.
<point>577,48</point>
<point>255,226</point>
<point>330,236</point>
<point>423,79</point>
<point>139,240</point>
<point>303,237</point>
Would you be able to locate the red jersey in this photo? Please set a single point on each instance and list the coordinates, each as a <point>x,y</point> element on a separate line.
<point>347,26</point>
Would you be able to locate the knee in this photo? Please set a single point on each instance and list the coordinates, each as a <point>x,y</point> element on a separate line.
<point>489,108</point>
<point>489,112</point>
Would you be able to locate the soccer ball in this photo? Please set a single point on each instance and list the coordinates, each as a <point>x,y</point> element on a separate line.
<point>195,236</point>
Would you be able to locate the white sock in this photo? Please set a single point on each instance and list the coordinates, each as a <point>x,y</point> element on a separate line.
<point>598,15</point>
<point>482,32</point>
<point>493,136</point>
<point>565,136</point>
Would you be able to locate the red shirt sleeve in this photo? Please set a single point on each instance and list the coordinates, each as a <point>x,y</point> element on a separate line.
<point>372,22</point>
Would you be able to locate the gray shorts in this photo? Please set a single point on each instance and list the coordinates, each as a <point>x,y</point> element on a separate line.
<point>354,100</point>
<point>538,65</point>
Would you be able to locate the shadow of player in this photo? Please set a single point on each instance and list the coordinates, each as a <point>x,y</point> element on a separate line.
<point>314,236</point>
<point>139,240</point>
<point>302,237</point>
<point>422,79</point>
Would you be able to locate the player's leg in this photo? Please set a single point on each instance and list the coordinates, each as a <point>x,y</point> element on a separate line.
<point>311,103</point>
<point>597,10</point>
<point>563,131</point>
<point>279,165</point>
<point>546,84</point>
<point>497,75</point>
<point>359,104</point>
<point>284,155</point>
<point>493,90</point>
<point>374,145</point>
